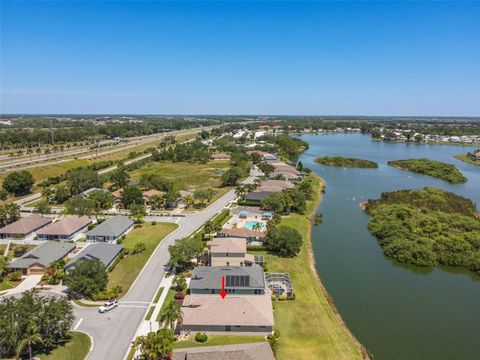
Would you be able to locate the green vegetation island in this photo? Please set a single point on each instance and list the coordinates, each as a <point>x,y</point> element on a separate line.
<point>346,162</point>
<point>427,227</point>
<point>437,169</point>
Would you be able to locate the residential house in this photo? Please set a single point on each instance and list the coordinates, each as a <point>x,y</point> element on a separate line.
<point>239,280</point>
<point>257,196</point>
<point>284,174</point>
<point>24,228</point>
<point>476,156</point>
<point>38,260</point>
<point>247,314</point>
<point>275,185</point>
<point>227,251</point>
<point>249,235</point>
<point>66,228</point>
<point>149,194</point>
<point>221,156</point>
<point>104,252</point>
<point>110,230</point>
<point>253,351</point>
<point>117,195</point>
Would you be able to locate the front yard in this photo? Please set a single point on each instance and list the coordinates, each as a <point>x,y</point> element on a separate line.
<point>127,270</point>
<point>216,340</point>
<point>76,348</point>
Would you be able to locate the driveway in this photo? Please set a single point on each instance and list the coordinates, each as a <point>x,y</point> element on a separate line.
<point>27,284</point>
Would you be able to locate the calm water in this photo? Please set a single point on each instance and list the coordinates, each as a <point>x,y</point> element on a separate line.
<point>397,312</point>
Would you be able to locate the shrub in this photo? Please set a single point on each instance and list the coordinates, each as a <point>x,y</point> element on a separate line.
<point>139,248</point>
<point>282,297</point>
<point>154,223</point>
<point>179,295</point>
<point>15,276</point>
<point>201,337</point>
<point>292,297</point>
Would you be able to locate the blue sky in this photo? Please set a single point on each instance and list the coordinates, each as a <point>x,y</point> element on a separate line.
<point>338,58</point>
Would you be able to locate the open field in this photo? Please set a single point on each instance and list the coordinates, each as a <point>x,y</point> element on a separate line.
<point>126,271</point>
<point>76,348</point>
<point>465,158</point>
<point>215,340</point>
<point>309,326</point>
<point>187,176</point>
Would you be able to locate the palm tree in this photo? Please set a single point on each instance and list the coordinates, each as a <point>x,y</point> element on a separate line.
<point>171,314</point>
<point>31,337</point>
<point>257,227</point>
<point>208,227</point>
<point>188,200</point>
<point>156,345</point>
<point>240,190</point>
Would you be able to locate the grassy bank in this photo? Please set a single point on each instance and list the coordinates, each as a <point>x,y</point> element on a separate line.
<point>127,270</point>
<point>467,159</point>
<point>346,162</point>
<point>76,348</point>
<point>437,169</point>
<point>310,327</point>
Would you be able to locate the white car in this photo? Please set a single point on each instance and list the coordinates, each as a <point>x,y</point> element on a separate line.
<point>109,305</point>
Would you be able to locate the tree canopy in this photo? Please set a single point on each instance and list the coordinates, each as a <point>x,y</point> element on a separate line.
<point>18,182</point>
<point>283,241</point>
<point>82,179</point>
<point>87,278</point>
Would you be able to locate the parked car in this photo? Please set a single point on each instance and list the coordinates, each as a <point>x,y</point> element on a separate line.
<point>109,305</point>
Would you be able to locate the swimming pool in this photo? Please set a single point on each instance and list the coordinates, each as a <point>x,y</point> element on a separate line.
<point>250,224</point>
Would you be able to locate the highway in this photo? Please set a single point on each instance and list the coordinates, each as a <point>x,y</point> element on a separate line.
<point>113,332</point>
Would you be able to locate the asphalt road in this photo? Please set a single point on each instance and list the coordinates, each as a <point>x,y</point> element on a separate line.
<point>113,332</point>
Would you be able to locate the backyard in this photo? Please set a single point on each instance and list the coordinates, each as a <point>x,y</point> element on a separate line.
<point>309,326</point>
<point>126,271</point>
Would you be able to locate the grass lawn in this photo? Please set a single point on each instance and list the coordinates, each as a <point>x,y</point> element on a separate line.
<point>215,340</point>
<point>157,295</point>
<point>467,159</point>
<point>149,313</point>
<point>130,266</point>
<point>76,348</point>
<point>168,298</point>
<point>6,285</point>
<point>309,326</point>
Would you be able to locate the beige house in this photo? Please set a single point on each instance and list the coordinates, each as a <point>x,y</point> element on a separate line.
<point>227,251</point>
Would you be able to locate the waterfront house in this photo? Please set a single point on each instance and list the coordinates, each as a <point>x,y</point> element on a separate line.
<point>239,280</point>
<point>24,228</point>
<point>104,252</point>
<point>249,235</point>
<point>227,251</point>
<point>66,228</point>
<point>248,314</point>
<point>110,230</point>
<point>38,260</point>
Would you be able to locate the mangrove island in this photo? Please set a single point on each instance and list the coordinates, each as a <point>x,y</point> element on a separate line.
<point>427,227</point>
<point>341,161</point>
<point>437,169</point>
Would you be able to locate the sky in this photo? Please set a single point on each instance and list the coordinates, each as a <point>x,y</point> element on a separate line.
<point>291,58</point>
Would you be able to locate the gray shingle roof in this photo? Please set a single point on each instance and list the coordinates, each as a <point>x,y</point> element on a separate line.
<point>104,252</point>
<point>115,226</point>
<point>255,351</point>
<point>210,277</point>
<point>257,195</point>
<point>44,254</point>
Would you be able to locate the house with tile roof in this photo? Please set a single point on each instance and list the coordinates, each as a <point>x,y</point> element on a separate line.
<point>244,233</point>
<point>227,251</point>
<point>24,228</point>
<point>253,351</point>
<point>66,228</point>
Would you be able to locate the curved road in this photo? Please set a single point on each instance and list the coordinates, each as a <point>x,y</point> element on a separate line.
<point>113,332</point>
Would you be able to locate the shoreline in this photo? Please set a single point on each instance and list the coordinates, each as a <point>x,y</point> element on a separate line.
<point>312,263</point>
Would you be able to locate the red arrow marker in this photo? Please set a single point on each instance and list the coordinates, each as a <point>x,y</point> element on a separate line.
<point>223,293</point>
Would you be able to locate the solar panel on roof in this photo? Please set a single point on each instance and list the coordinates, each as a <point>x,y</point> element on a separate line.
<point>237,281</point>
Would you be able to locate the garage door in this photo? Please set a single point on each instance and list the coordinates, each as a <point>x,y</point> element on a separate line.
<point>36,271</point>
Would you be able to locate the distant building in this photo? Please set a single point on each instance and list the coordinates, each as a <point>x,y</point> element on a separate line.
<point>220,156</point>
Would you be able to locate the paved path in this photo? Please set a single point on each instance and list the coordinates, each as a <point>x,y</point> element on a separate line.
<point>113,332</point>
<point>29,283</point>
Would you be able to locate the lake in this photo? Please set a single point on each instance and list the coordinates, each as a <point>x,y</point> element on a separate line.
<point>395,311</point>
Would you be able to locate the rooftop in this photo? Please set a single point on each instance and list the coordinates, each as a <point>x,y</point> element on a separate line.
<point>254,351</point>
<point>115,226</point>
<point>65,226</point>
<point>254,310</point>
<point>242,232</point>
<point>209,277</point>
<point>44,254</point>
<point>227,245</point>
<point>104,252</point>
<point>26,225</point>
